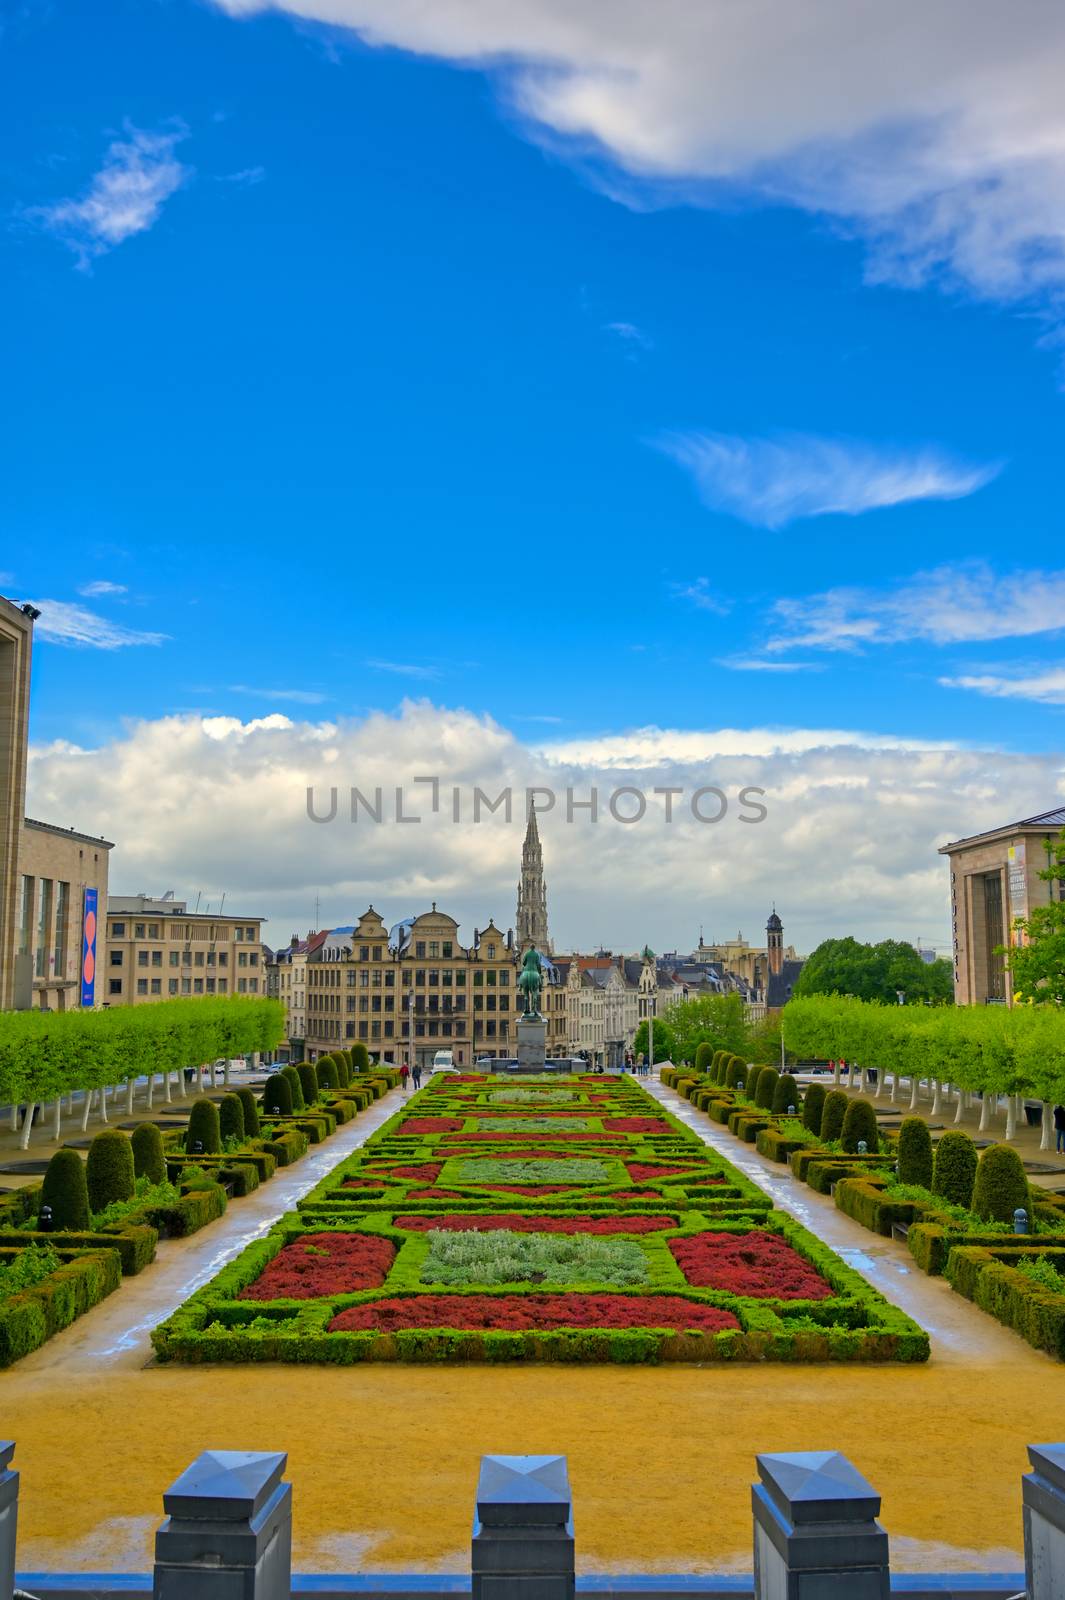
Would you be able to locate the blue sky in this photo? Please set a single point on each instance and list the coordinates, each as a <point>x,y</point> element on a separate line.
<point>340,372</point>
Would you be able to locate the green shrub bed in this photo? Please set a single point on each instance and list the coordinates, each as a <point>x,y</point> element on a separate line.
<point>469,1228</point>
<point>45,1287</point>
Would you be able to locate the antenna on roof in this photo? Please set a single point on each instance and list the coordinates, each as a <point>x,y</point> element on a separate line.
<point>199,893</point>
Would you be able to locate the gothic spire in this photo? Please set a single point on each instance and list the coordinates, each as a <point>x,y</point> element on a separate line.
<point>531,926</point>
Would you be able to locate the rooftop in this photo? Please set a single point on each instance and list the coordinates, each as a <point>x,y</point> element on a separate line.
<point>69,833</point>
<point>1042,822</point>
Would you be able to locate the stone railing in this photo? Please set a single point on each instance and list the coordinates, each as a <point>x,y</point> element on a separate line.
<point>227,1535</point>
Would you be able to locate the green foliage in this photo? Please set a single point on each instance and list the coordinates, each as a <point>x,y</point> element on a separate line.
<point>1037,965</point>
<point>915,1153</point>
<point>812,1106</point>
<point>328,1076</point>
<point>703,1056</point>
<point>875,972</point>
<point>360,1057</point>
<point>148,1158</point>
<point>532,1097</point>
<point>231,1118</point>
<point>1001,1187</point>
<point>765,1088</point>
<point>343,1061</point>
<point>859,1125</point>
<point>954,1168</point>
<point>251,1113</point>
<point>277,1095</point>
<point>786,1093</point>
<point>109,1169</point>
<point>666,1048</point>
<point>832,1114</point>
<point>715,1019</point>
<point>66,1191</point>
<point>31,1265</point>
<point>145,1194</point>
<point>1041,1270</point>
<point>292,1078</point>
<point>735,1072</point>
<point>204,1129</point>
<point>309,1081</point>
<point>549,1260</point>
<point>486,1169</point>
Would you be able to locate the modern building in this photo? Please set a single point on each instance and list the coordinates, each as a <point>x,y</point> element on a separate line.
<point>994,882</point>
<point>157,949</point>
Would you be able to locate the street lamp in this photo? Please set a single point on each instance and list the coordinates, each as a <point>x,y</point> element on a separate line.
<point>901,996</point>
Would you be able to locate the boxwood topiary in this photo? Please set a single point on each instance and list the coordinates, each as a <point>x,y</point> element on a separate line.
<point>832,1114</point>
<point>343,1061</point>
<point>277,1095</point>
<point>203,1130</point>
<point>786,1093</point>
<point>109,1169</point>
<point>148,1158</point>
<point>66,1191</point>
<point>733,1072</point>
<point>309,1082</point>
<point>292,1075</point>
<point>766,1088</point>
<point>1001,1187</point>
<point>915,1153</point>
<point>859,1125</point>
<point>251,1113</point>
<point>360,1057</point>
<point>703,1056</point>
<point>231,1117</point>
<point>327,1073</point>
<point>954,1168</point>
<point>812,1106</point>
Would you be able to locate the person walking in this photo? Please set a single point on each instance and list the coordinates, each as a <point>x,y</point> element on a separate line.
<point>416,1076</point>
<point>1059,1128</point>
<point>404,1074</point>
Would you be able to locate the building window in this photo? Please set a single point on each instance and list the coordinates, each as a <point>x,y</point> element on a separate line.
<point>223,985</point>
<point>142,986</point>
<point>242,985</point>
<point>115,986</point>
<point>253,985</point>
<point>223,958</point>
<point>118,930</point>
<point>157,985</point>
<point>44,928</point>
<point>197,985</point>
<point>377,952</point>
<point>117,957</point>
<point>62,911</point>
<point>138,930</point>
<point>197,959</point>
<point>210,986</point>
<point>171,986</point>
<point>210,958</point>
<point>186,985</point>
<point>142,958</point>
<point>153,930</point>
<point>157,958</point>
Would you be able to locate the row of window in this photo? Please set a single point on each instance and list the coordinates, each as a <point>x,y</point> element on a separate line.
<point>243,933</point>
<point>53,910</point>
<point>187,986</point>
<point>420,977</point>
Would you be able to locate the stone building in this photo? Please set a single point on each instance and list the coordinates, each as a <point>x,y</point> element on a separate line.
<point>16,648</point>
<point>531,923</point>
<point>994,881</point>
<point>160,950</point>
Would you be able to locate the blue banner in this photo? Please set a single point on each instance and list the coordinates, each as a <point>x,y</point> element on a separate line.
<point>88,949</point>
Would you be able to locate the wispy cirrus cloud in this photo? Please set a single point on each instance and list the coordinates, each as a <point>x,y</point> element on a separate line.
<point>404,669</point>
<point>246,178</point>
<point>125,197</point>
<point>949,605</point>
<point>770,482</point>
<point>631,336</point>
<point>1045,686</point>
<point>757,664</point>
<point>697,592</point>
<point>62,622</point>
<point>101,586</point>
<point>300,697</point>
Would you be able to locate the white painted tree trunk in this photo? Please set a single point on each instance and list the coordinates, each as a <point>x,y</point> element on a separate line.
<point>1046,1137</point>
<point>1011,1116</point>
<point>987,1103</point>
<point>835,1074</point>
<point>85,1109</point>
<point>27,1125</point>
<point>894,1095</point>
<point>130,1087</point>
<point>57,1126</point>
<point>225,1075</point>
<point>166,1087</point>
<point>915,1091</point>
<point>959,1115</point>
<point>70,1103</point>
<point>937,1097</point>
<point>203,1080</point>
<point>103,1105</point>
<point>861,1080</point>
<point>151,1091</point>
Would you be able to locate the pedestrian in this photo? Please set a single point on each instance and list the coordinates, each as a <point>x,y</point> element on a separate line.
<point>404,1074</point>
<point>416,1076</point>
<point>1059,1127</point>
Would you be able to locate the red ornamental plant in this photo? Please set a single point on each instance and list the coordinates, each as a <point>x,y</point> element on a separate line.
<point>530,1312</point>
<point>425,1172</point>
<point>462,1222</point>
<point>641,1171</point>
<point>436,1194</point>
<point>636,1125</point>
<point>534,1190</point>
<point>362,1183</point>
<point>756,1264</point>
<point>430,1125</point>
<point>526,1155</point>
<point>324,1263</point>
<point>520,1138</point>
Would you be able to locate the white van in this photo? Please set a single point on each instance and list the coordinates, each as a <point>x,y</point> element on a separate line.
<point>444,1061</point>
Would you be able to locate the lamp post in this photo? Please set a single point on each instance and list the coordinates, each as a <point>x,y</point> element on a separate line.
<point>651,1032</point>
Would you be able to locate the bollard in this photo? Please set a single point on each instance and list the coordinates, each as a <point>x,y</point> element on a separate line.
<point>523,1530</point>
<point>8,1519</point>
<point>815,1530</point>
<point>1043,1490</point>
<point>228,1530</point>
<point>1020,1220</point>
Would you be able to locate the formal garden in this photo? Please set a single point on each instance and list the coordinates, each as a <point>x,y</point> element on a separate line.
<point>556,1220</point>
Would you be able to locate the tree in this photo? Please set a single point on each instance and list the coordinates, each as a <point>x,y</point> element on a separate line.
<point>665,1047</point>
<point>718,1020</point>
<point>875,972</point>
<point>1037,967</point>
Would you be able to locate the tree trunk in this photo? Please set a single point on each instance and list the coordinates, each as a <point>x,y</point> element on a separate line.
<point>86,1108</point>
<point>835,1074</point>
<point>937,1097</point>
<point>14,1116</point>
<point>1046,1140</point>
<point>203,1080</point>
<point>130,1087</point>
<point>1011,1116</point>
<point>151,1091</point>
<point>166,1087</point>
<point>987,1103</point>
<point>915,1091</point>
<point>861,1080</point>
<point>27,1125</point>
<point>959,1115</point>
<point>58,1125</point>
<point>225,1074</point>
<point>103,1104</point>
<point>894,1095</point>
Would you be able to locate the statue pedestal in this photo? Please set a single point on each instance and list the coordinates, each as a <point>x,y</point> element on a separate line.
<point>532,1044</point>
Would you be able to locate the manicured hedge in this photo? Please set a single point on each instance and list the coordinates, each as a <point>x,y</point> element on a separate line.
<point>83,1279</point>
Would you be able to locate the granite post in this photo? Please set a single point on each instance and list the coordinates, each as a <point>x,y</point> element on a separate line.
<point>1043,1491</point>
<point>523,1530</point>
<point>816,1536</point>
<point>228,1530</point>
<point>8,1519</point>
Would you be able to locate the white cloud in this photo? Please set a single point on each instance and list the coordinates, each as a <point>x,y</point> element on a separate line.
<point>303,697</point>
<point>247,177</point>
<point>697,592</point>
<point>849,844</point>
<point>101,586</point>
<point>950,605</point>
<point>1047,686</point>
<point>756,664</point>
<point>630,335</point>
<point>61,622</point>
<point>126,196</point>
<point>404,669</point>
<point>771,482</point>
<point>938,134</point>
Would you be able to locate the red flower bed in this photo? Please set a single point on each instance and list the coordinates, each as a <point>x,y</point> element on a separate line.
<point>436,1194</point>
<point>426,1172</point>
<point>636,1125</point>
<point>518,1312</point>
<point>324,1263</point>
<point>533,1189</point>
<point>757,1264</point>
<point>465,1222</point>
<point>640,1171</point>
<point>522,1138</point>
<point>362,1183</point>
<point>635,1194</point>
<point>431,1125</point>
<point>523,1153</point>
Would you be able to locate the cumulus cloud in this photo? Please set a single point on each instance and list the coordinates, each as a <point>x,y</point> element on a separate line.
<point>62,622</point>
<point>771,482</point>
<point>125,197</point>
<point>848,846</point>
<point>950,605</point>
<point>1046,686</point>
<point>936,131</point>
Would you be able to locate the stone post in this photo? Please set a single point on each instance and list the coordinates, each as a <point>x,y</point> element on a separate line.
<point>1044,1521</point>
<point>228,1530</point>
<point>523,1530</point>
<point>816,1536</point>
<point>8,1519</point>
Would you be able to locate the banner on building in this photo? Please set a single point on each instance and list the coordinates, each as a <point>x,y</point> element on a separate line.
<point>88,949</point>
<point>1017,888</point>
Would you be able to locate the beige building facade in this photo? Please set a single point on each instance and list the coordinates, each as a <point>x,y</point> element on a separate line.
<point>56,868</point>
<point>159,950</point>
<point>16,649</point>
<point>994,881</point>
